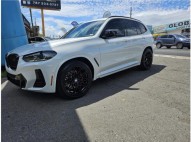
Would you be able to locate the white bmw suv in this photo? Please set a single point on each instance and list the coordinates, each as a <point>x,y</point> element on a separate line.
<point>90,51</point>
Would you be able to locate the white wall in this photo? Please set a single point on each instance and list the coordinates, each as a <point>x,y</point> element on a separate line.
<point>175,32</point>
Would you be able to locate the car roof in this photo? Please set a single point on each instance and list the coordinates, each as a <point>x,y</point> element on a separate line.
<point>124,17</point>
<point>113,17</point>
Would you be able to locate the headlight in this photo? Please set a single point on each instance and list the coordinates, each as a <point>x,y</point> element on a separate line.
<point>39,56</point>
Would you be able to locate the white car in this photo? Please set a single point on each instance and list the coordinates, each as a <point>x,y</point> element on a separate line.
<point>90,51</point>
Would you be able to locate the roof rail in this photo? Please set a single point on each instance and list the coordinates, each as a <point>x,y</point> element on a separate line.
<point>124,17</point>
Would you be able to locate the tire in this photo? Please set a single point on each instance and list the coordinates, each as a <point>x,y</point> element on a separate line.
<point>168,47</point>
<point>158,45</point>
<point>73,80</point>
<point>179,45</point>
<point>147,59</point>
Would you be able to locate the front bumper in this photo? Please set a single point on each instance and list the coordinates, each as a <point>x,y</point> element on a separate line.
<point>186,44</point>
<point>34,76</point>
<point>18,80</point>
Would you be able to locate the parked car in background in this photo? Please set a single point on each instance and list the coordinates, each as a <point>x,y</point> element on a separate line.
<point>90,51</point>
<point>179,41</point>
<point>38,39</point>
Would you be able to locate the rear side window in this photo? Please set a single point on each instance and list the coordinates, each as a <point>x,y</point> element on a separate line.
<point>130,28</point>
<point>134,27</point>
<point>141,27</point>
<point>126,27</point>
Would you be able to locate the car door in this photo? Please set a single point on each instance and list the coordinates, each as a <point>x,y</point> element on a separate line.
<point>164,39</point>
<point>135,40</point>
<point>114,53</point>
<point>170,40</point>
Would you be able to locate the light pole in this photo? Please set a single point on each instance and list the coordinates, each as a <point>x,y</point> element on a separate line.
<point>31,20</point>
<point>130,11</point>
<point>31,16</point>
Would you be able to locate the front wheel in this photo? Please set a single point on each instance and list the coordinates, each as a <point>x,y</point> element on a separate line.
<point>147,59</point>
<point>74,80</point>
<point>179,45</point>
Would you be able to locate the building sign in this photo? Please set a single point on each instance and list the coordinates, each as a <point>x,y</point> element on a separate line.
<point>173,26</point>
<point>42,4</point>
<point>179,25</point>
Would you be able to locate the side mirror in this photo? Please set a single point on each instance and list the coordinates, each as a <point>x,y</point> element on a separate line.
<point>110,33</point>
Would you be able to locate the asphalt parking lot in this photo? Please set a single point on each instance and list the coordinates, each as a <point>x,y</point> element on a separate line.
<point>130,106</point>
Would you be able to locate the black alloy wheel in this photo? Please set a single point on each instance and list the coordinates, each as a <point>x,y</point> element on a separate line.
<point>74,80</point>
<point>147,59</point>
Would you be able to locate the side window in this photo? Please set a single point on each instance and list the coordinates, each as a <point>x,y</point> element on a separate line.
<point>164,36</point>
<point>170,36</point>
<point>141,27</point>
<point>130,28</point>
<point>116,25</point>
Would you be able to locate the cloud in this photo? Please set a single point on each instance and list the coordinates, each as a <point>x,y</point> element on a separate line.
<point>151,12</point>
<point>154,17</point>
<point>53,26</point>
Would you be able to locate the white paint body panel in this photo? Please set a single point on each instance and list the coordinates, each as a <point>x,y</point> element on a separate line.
<point>112,55</point>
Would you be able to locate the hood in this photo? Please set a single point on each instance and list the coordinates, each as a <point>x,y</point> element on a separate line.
<point>41,46</point>
<point>184,39</point>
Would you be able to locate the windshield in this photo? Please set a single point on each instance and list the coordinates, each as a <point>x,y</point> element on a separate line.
<point>180,36</point>
<point>84,30</point>
<point>67,33</point>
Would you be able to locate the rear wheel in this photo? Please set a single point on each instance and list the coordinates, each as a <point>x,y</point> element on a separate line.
<point>147,59</point>
<point>74,80</point>
<point>179,45</point>
<point>158,45</point>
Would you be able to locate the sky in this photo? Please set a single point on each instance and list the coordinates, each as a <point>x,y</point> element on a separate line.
<point>150,12</point>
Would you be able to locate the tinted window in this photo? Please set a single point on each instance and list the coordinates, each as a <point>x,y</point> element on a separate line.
<point>126,27</point>
<point>164,36</point>
<point>141,27</point>
<point>116,25</point>
<point>130,28</point>
<point>170,36</point>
